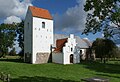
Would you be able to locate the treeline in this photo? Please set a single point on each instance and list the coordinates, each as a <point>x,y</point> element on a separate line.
<point>105,49</point>
<point>9,33</point>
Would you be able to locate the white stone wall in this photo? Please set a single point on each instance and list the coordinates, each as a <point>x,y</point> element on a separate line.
<point>42,37</point>
<point>83,51</point>
<point>57,58</point>
<point>69,49</point>
<point>83,54</point>
<point>36,38</point>
<point>77,56</point>
<point>64,57</point>
<point>28,34</point>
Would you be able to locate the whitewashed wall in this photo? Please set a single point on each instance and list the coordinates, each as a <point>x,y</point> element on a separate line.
<point>42,37</point>
<point>71,43</point>
<point>57,58</point>
<point>28,34</point>
<point>64,57</point>
<point>83,54</point>
<point>77,57</point>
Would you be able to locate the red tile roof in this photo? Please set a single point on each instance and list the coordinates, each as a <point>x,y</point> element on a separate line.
<point>39,12</point>
<point>60,43</point>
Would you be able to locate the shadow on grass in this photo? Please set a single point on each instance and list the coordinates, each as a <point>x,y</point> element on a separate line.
<point>111,76</point>
<point>101,67</point>
<point>13,60</point>
<point>39,79</point>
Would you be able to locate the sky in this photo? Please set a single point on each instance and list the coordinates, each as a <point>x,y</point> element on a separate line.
<point>68,15</point>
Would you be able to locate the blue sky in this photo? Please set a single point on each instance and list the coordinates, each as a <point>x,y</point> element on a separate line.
<point>69,16</point>
<point>60,7</point>
<point>55,6</point>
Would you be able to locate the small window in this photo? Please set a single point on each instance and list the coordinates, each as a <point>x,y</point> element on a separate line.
<point>43,24</point>
<point>71,49</point>
<point>28,26</point>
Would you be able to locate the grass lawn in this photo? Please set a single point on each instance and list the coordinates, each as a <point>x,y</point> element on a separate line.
<point>23,72</point>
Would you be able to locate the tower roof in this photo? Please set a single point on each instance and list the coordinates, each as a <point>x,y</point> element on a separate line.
<point>40,12</point>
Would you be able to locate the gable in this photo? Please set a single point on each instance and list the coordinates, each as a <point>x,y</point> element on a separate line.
<point>80,42</point>
<point>40,13</point>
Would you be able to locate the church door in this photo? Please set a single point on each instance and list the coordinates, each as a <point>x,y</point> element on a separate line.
<point>71,58</point>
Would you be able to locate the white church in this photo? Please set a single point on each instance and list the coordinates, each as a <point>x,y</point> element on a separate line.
<point>40,44</point>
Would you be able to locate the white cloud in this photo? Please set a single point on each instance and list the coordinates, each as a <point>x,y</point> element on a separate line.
<point>11,19</point>
<point>86,38</point>
<point>102,35</point>
<point>73,20</point>
<point>13,8</point>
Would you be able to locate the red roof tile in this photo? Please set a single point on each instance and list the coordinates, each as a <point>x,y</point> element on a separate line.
<point>39,12</point>
<point>60,43</point>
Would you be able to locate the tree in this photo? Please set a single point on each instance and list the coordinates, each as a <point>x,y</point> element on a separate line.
<point>7,38</point>
<point>103,15</point>
<point>116,53</point>
<point>12,52</point>
<point>103,48</point>
<point>20,32</point>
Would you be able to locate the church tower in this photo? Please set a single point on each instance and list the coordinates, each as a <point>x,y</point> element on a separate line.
<point>38,35</point>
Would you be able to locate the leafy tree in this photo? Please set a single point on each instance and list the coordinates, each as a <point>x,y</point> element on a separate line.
<point>20,32</point>
<point>12,52</point>
<point>116,53</point>
<point>103,15</point>
<point>103,47</point>
<point>7,37</point>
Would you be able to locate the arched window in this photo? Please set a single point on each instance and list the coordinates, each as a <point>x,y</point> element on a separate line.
<point>43,24</point>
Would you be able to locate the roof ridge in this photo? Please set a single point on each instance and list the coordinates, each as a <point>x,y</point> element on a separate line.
<point>40,12</point>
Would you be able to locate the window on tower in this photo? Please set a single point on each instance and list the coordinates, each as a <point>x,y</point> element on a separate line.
<point>28,25</point>
<point>43,24</point>
<point>71,49</point>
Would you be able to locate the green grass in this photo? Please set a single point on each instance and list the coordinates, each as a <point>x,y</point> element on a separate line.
<point>24,72</point>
